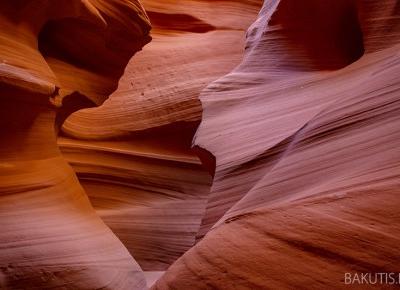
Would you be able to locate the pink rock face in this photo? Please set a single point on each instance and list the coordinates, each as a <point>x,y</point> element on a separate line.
<point>305,135</point>
<point>293,178</point>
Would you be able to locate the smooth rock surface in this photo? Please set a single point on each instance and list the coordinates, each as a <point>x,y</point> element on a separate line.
<point>51,237</point>
<point>133,154</point>
<point>305,136</point>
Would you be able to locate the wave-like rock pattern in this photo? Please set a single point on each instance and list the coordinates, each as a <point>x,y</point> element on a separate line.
<point>50,52</point>
<point>161,84</point>
<point>305,135</point>
<point>133,154</point>
<point>152,193</point>
<point>301,138</point>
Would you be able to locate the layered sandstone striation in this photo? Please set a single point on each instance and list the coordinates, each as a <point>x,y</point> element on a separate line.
<point>57,57</point>
<point>133,154</point>
<point>194,43</point>
<point>293,178</point>
<point>305,136</point>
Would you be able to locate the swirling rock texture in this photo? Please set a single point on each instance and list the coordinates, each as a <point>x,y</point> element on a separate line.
<point>301,140</point>
<point>50,237</point>
<point>305,134</point>
<point>132,154</point>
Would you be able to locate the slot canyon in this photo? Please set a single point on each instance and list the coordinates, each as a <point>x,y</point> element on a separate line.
<point>198,144</point>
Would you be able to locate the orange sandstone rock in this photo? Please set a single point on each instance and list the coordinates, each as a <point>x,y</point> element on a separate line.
<point>57,57</point>
<point>133,154</point>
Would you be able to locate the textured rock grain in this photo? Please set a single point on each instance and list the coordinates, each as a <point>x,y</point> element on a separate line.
<point>305,135</point>
<point>50,236</point>
<point>133,154</point>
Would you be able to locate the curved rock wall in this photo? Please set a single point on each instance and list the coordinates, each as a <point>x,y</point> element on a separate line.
<point>50,235</point>
<point>133,154</point>
<point>305,138</point>
<point>299,172</point>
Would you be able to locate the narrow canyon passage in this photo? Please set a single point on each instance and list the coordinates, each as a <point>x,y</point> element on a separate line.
<point>197,144</point>
<point>139,170</point>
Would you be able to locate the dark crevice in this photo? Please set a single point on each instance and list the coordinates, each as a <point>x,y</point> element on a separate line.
<point>71,104</point>
<point>317,35</point>
<point>179,22</point>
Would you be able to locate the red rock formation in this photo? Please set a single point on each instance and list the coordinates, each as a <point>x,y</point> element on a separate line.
<point>302,140</point>
<point>58,56</point>
<point>132,155</point>
<point>305,136</point>
<point>162,83</point>
<point>150,191</point>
